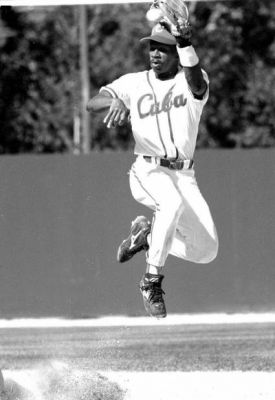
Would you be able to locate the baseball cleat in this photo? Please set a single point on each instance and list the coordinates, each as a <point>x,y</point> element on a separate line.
<point>150,288</point>
<point>136,241</point>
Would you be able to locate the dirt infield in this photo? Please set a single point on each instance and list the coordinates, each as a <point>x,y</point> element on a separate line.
<point>139,362</point>
<point>35,385</point>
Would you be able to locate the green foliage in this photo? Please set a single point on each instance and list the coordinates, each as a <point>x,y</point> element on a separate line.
<point>40,73</point>
<point>37,81</point>
<point>238,54</point>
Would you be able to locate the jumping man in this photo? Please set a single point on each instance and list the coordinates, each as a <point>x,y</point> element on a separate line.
<point>165,106</point>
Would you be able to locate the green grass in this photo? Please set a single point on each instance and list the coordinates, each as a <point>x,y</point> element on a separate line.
<point>246,347</point>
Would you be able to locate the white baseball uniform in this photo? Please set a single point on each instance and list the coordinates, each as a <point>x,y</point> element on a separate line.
<point>165,116</point>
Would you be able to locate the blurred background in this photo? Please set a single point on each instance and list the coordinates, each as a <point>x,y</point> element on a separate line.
<point>54,57</point>
<point>63,214</point>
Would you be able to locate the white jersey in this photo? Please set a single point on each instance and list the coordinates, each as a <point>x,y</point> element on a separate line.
<point>164,115</point>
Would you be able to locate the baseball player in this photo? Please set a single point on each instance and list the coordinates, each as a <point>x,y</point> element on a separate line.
<point>164,104</point>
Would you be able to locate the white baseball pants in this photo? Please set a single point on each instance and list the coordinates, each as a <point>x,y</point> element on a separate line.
<point>182,224</point>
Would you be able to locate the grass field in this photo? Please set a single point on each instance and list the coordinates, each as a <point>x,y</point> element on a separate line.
<point>187,360</point>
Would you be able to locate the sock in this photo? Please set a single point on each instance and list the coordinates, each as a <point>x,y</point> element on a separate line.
<point>153,270</point>
<point>153,278</point>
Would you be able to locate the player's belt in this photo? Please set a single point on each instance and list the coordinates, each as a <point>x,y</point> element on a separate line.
<point>171,164</point>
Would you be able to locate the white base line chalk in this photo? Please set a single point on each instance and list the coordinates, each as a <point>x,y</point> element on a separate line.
<point>173,319</point>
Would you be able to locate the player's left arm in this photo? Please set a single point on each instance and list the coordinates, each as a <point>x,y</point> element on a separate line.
<point>189,59</point>
<point>195,80</point>
<point>191,66</point>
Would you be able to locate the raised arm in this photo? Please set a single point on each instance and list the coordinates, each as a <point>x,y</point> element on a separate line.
<point>193,73</point>
<point>117,112</point>
<point>189,60</point>
<point>188,57</point>
<point>195,81</point>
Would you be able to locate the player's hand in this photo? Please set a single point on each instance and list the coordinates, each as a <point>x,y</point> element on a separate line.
<point>117,115</point>
<point>182,31</point>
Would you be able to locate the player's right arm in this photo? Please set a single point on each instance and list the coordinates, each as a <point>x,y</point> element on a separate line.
<point>117,112</point>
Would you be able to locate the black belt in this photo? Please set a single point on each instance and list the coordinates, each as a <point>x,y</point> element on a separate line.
<point>171,164</point>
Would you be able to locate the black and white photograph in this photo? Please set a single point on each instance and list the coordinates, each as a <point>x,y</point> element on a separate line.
<point>137,200</point>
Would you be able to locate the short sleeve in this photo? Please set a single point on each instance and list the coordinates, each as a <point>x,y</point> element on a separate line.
<point>121,88</point>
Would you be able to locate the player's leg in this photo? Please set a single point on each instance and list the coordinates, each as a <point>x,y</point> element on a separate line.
<point>195,237</point>
<point>137,239</point>
<point>150,284</point>
<point>156,189</point>
<point>164,223</point>
<point>160,240</point>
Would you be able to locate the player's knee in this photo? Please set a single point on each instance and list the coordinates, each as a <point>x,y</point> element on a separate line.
<point>209,252</point>
<point>207,258</point>
<point>172,207</point>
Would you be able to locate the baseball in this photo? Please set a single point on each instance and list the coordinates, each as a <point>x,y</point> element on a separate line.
<point>154,14</point>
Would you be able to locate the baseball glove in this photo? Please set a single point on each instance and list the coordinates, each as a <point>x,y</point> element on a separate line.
<point>176,14</point>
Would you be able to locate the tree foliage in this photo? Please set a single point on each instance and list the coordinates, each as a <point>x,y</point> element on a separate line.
<point>37,80</point>
<point>40,72</point>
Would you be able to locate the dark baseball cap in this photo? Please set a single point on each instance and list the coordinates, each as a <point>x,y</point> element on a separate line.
<point>161,35</point>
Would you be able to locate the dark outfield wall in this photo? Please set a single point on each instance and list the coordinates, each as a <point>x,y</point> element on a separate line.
<point>62,218</point>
